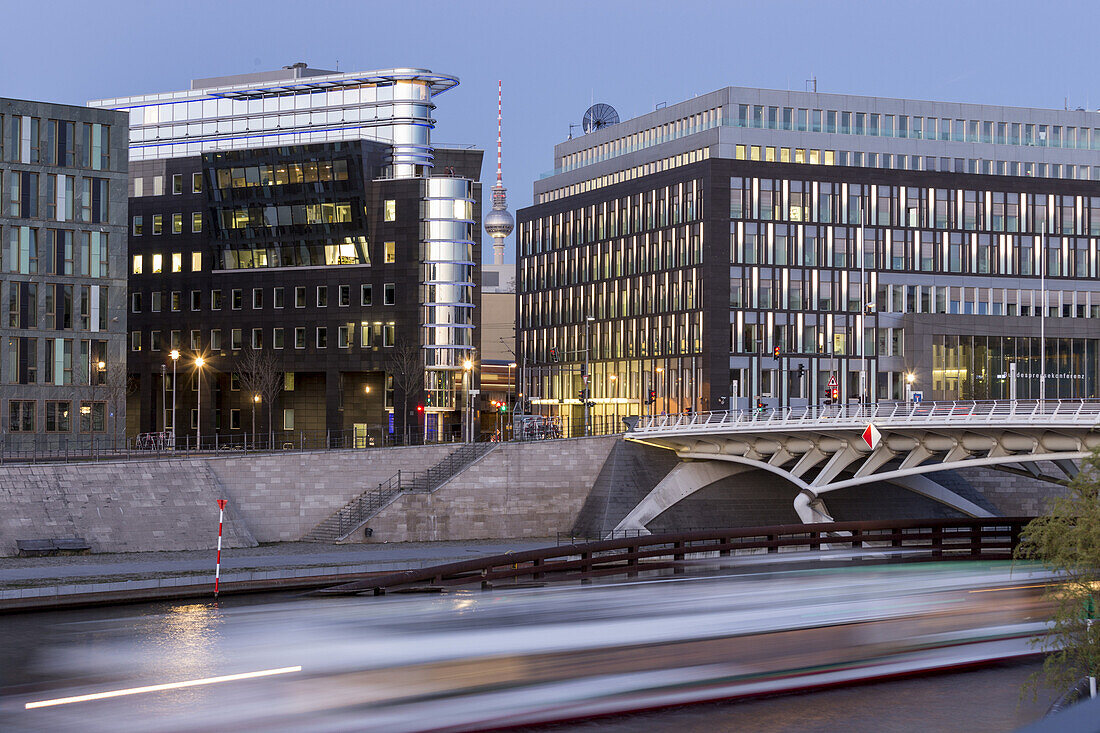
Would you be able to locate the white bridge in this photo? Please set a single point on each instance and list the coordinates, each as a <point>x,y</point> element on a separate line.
<point>822,448</point>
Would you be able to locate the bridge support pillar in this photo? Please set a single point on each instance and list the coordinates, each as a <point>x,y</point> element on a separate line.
<point>680,483</point>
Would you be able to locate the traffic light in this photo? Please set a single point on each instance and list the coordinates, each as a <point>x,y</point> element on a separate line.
<point>652,397</point>
<point>759,404</point>
<point>503,408</point>
<point>553,355</point>
<point>420,408</point>
<point>801,370</point>
<point>835,393</point>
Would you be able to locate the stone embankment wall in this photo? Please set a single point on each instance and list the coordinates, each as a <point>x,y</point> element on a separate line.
<point>517,490</point>
<point>170,504</point>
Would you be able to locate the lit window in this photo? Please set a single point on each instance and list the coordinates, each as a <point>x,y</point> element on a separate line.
<point>138,226</point>
<point>391,252</point>
<point>196,221</point>
<point>177,223</point>
<point>137,264</point>
<point>196,183</point>
<point>177,262</point>
<point>158,223</point>
<point>196,262</point>
<point>157,264</point>
<point>390,210</point>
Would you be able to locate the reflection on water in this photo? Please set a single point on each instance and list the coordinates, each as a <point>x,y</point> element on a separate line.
<point>406,663</point>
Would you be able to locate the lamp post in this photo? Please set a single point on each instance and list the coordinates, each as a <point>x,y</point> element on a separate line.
<point>585,380</point>
<point>255,401</point>
<point>512,391</point>
<point>100,366</point>
<point>656,386</point>
<point>614,400</point>
<point>199,361</point>
<point>467,422</point>
<point>909,379</point>
<point>175,354</point>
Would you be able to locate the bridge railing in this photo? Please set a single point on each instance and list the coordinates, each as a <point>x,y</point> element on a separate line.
<point>991,412</point>
<point>992,538</point>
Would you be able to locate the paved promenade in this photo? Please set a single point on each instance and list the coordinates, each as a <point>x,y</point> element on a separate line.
<point>20,571</point>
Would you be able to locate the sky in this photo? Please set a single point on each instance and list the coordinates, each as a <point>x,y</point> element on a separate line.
<point>557,58</point>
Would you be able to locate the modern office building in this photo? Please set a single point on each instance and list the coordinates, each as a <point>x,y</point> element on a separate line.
<point>62,274</point>
<point>753,245</point>
<point>299,222</point>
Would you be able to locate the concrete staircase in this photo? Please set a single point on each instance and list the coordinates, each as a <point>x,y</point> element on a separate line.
<point>362,508</point>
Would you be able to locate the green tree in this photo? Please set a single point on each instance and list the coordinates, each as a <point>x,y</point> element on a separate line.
<point>1067,540</point>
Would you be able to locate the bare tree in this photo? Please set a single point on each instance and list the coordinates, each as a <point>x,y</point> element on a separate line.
<point>261,374</point>
<point>407,367</point>
<point>118,384</point>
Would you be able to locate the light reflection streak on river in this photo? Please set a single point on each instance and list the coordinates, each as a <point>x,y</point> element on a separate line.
<point>468,659</point>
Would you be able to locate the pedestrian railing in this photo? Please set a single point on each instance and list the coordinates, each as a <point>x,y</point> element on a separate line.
<point>993,538</point>
<point>1073,413</point>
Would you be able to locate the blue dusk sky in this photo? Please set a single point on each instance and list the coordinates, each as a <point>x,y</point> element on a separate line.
<point>557,58</point>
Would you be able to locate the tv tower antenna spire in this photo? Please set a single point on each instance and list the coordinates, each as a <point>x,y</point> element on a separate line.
<point>498,222</point>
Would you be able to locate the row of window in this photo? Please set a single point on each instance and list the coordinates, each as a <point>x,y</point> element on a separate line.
<point>651,252</point>
<point>332,212</point>
<point>176,220</point>
<point>915,127</point>
<point>637,296</point>
<point>278,298</point>
<point>281,174</point>
<point>23,416</point>
<point>864,159</point>
<point>666,132</point>
<point>156,187</point>
<point>33,251</point>
<point>627,174</point>
<point>633,214</point>
<point>91,306</point>
<point>814,290</point>
<point>23,355</point>
<point>914,250</point>
<point>371,335</point>
<point>26,199</point>
<point>667,335</point>
<point>28,139</point>
<point>912,206</point>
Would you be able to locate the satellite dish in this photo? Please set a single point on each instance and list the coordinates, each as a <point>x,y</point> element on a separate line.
<point>598,116</point>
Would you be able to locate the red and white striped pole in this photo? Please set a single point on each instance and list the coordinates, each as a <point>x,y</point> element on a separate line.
<point>218,562</point>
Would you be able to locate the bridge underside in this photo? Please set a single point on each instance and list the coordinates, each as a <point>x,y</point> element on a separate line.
<point>819,461</point>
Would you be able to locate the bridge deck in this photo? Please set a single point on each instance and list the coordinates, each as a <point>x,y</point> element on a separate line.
<point>959,414</point>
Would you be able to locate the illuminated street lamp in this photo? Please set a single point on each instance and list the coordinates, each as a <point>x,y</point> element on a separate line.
<point>255,401</point>
<point>199,362</point>
<point>467,382</point>
<point>909,379</point>
<point>175,354</point>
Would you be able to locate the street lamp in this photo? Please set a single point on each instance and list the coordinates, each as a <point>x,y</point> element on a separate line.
<point>467,423</point>
<point>199,362</point>
<point>909,379</point>
<point>587,368</point>
<point>100,366</point>
<point>656,387</point>
<point>614,399</point>
<point>175,354</point>
<point>255,401</point>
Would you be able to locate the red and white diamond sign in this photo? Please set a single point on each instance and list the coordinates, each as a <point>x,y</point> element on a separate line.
<point>871,436</point>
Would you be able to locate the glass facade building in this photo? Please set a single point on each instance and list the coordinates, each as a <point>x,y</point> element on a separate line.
<point>303,214</point>
<point>758,246</point>
<point>62,274</point>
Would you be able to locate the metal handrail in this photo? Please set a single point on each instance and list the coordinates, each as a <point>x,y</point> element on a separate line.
<point>885,414</point>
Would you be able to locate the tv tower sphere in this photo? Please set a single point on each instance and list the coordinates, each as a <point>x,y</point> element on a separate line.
<point>498,222</point>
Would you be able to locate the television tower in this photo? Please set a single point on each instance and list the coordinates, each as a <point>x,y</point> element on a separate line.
<point>498,222</point>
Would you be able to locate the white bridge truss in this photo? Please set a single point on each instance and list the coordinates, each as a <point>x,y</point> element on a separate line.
<point>820,449</point>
